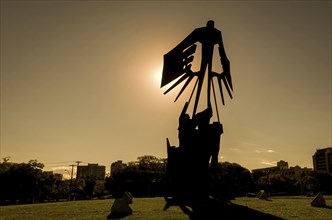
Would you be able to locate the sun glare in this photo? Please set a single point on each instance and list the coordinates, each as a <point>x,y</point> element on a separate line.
<point>156,75</point>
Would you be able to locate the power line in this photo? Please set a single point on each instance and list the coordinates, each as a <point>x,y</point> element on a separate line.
<point>65,162</point>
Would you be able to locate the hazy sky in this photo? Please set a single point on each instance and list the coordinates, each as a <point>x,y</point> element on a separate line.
<point>80,80</point>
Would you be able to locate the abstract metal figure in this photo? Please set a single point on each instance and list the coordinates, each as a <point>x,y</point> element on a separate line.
<point>177,63</point>
<point>190,164</point>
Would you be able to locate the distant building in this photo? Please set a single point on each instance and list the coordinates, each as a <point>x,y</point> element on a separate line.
<point>117,167</point>
<point>91,170</point>
<point>281,165</point>
<point>282,168</point>
<point>322,160</point>
<point>58,176</point>
<point>50,173</point>
<point>296,172</point>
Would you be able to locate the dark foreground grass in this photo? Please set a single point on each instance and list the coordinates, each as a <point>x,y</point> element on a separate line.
<point>152,209</point>
<point>290,207</point>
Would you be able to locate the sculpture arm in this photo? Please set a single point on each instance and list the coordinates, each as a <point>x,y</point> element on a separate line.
<point>226,74</point>
<point>223,57</point>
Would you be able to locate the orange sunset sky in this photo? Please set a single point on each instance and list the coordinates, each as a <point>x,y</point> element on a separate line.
<point>80,80</point>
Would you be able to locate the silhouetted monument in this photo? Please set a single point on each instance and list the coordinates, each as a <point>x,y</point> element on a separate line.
<point>177,63</point>
<point>191,164</point>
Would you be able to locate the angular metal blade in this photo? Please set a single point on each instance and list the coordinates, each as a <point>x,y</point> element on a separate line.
<point>173,67</point>
<point>227,86</point>
<point>175,62</point>
<point>200,83</point>
<point>184,86</point>
<point>229,80</point>
<point>176,83</point>
<point>221,93</point>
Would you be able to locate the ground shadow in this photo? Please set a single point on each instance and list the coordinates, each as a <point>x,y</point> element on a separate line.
<point>326,207</point>
<point>216,209</point>
<point>116,216</point>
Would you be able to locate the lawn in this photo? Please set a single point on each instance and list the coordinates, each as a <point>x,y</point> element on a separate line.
<point>151,209</point>
<point>292,207</point>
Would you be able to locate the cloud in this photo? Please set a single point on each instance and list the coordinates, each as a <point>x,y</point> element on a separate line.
<point>261,148</point>
<point>60,168</point>
<point>65,171</point>
<point>264,151</point>
<point>236,150</point>
<point>270,163</point>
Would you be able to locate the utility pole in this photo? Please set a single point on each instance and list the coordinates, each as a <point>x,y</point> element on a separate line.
<point>78,164</point>
<point>71,181</point>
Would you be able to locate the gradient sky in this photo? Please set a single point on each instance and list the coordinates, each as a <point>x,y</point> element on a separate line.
<point>80,80</point>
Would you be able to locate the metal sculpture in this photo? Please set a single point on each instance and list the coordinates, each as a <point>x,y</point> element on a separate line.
<point>177,63</point>
<point>190,164</point>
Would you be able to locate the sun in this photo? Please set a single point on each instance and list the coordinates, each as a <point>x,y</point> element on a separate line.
<point>156,74</point>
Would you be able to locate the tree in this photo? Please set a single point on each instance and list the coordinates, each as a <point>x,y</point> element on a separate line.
<point>89,185</point>
<point>61,190</point>
<point>6,159</point>
<point>46,186</point>
<point>325,182</point>
<point>310,184</point>
<point>34,164</point>
<point>143,178</point>
<point>25,182</point>
<point>263,183</point>
<point>280,183</point>
<point>256,176</point>
<point>20,181</point>
<point>99,188</point>
<point>231,180</point>
<point>151,163</point>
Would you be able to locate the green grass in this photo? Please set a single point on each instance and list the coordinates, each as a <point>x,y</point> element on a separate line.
<point>143,208</point>
<point>151,209</point>
<point>291,207</point>
<point>96,209</point>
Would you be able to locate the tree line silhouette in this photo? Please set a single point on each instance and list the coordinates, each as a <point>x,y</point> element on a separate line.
<point>28,183</point>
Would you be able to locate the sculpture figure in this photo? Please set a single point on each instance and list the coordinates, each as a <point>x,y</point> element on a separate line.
<point>177,63</point>
<point>190,164</point>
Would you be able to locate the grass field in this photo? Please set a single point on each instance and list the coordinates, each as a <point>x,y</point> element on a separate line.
<point>297,207</point>
<point>151,209</point>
